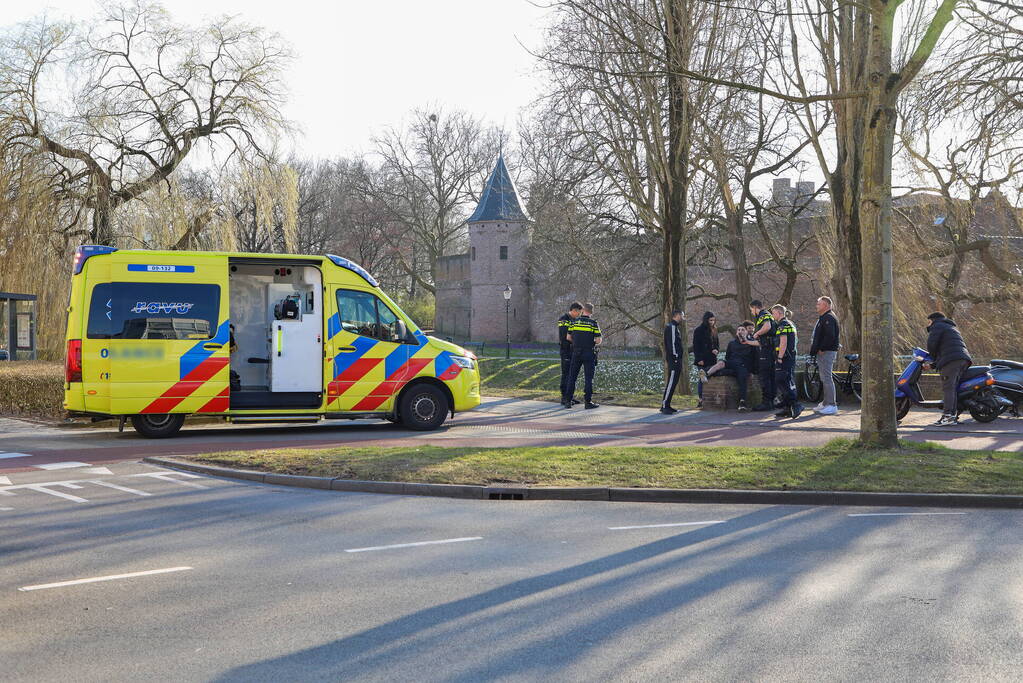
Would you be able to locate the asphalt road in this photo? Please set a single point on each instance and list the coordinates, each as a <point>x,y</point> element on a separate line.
<point>498,422</point>
<point>273,583</point>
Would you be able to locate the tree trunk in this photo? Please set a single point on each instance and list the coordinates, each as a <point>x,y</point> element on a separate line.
<point>737,249</point>
<point>675,185</point>
<point>877,420</point>
<point>102,233</point>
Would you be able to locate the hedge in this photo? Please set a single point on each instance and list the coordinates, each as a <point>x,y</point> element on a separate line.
<point>32,389</point>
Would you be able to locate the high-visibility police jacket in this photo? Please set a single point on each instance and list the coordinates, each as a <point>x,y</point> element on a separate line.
<point>585,332</point>
<point>563,324</point>
<point>766,340</point>
<point>788,330</point>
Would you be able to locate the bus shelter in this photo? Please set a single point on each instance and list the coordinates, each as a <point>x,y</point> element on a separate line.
<point>17,326</point>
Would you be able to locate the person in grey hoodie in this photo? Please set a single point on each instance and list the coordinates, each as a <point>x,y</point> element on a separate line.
<point>950,358</point>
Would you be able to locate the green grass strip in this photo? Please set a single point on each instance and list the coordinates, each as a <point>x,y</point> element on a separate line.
<point>839,466</point>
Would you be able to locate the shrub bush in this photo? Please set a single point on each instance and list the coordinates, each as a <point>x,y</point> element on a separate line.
<point>32,389</point>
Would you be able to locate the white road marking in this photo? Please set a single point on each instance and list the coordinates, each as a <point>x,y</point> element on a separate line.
<point>62,465</point>
<point>4,456</point>
<point>4,481</point>
<point>119,487</point>
<point>94,579</point>
<point>98,470</point>
<point>900,514</point>
<point>413,545</point>
<point>169,476</point>
<point>41,488</point>
<point>658,526</point>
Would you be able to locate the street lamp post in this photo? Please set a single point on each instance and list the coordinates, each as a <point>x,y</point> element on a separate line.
<point>507,328</point>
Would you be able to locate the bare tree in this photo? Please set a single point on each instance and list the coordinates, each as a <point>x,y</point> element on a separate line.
<point>147,91</point>
<point>430,175</point>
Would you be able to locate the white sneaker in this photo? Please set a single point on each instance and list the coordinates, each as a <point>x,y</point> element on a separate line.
<point>828,410</point>
<point>819,407</point>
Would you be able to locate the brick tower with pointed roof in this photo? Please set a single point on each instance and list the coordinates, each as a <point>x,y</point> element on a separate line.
<point>498,244</point>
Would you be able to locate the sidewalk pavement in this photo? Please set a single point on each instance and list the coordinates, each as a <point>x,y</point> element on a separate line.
<point>522,420</point>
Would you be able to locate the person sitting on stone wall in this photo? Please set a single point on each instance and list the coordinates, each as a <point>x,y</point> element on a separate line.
<point>740,360</point>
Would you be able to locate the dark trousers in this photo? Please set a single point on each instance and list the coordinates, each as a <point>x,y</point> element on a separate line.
<point>785,381</point>
<point>766,375</point>
<point>741,373</point>
<point>674,373</point>
<point>587,360</point>
<point>566,367</point>
<point>950,374</point>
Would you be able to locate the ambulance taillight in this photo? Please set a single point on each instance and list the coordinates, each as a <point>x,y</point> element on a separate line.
<point>73,361</point>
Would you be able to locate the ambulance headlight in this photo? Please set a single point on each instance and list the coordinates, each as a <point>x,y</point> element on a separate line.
<point>463,362</point>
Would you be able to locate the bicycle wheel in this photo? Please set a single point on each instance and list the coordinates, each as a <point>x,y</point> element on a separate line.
<point>856,382</point>
<point>812,387</point>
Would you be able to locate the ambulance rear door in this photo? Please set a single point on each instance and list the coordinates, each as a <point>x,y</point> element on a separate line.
<point>164,320</point>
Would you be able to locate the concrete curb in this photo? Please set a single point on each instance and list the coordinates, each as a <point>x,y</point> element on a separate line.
<point>621,495</point>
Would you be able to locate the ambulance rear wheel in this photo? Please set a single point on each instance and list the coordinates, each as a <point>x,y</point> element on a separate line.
<point>157,426</point>
<point>423,407</point>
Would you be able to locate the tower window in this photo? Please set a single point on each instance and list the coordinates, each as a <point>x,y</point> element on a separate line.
<point>504,253</point>
<point>474,253</point>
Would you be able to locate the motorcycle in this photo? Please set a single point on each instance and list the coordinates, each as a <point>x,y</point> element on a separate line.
<point>1008,375</point>
<point>976,391</point>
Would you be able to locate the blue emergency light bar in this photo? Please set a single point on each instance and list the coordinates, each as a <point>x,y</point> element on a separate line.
<point>355,268</point>
<point>87,251</point>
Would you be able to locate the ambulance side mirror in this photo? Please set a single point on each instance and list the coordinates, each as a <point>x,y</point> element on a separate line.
<point>400,332</point>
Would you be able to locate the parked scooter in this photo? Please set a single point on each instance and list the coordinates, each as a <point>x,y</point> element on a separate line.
<point>976,391</point>
<point>1008,376</point>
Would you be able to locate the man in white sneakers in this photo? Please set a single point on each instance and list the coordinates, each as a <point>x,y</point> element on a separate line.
<point>825,347</point>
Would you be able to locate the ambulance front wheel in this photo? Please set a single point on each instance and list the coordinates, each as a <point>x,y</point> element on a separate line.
<point>423,407</point>
<point>157,426</point>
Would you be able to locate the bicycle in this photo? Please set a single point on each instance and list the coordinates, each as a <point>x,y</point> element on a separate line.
<point>851,382</point>
<point>812,386</point>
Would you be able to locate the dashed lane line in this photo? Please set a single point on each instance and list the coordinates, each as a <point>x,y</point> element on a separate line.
<point>413,545</point>
<point>901,514</point>
<point>5,456</point>
<point>96,579</point>
<point>661,526</point>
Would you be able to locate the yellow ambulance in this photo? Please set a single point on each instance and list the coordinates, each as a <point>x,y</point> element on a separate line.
<point>158,335</point>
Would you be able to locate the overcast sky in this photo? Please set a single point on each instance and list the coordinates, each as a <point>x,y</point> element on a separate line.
<point>362,66</point>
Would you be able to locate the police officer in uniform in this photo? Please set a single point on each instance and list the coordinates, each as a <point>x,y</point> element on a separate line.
<point>765,326</point>
<point>574,311</point>
<point>785,363</point>
<point>584,333</point>
<point>674,352</point>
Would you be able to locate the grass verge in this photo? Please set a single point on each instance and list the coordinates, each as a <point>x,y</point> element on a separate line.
<point>619,383</point>
<point>839,466</point>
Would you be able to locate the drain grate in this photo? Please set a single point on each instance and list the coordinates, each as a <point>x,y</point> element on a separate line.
<point>506,496</point>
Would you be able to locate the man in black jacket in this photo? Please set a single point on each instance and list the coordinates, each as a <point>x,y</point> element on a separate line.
<point>824,346</point>
<point>674,352</point>
<point>950,358</point>
<point>741,359</point>
<point>574,311</point>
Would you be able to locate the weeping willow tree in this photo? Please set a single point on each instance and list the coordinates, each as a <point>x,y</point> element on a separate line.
<point>242,208</point>
<point>33,255</point>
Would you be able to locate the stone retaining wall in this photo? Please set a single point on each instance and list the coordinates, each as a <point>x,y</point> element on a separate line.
<point>721,393</point>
